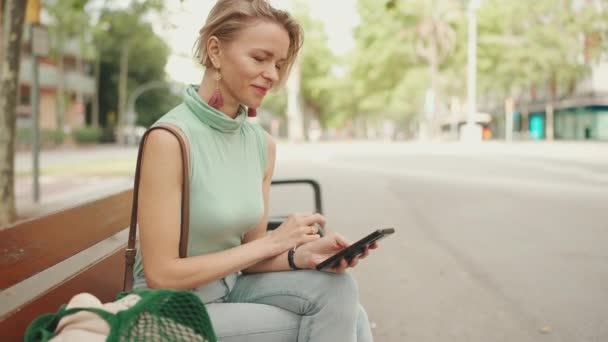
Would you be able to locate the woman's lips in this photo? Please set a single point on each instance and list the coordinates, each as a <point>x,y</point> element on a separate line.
<point>260,90</point>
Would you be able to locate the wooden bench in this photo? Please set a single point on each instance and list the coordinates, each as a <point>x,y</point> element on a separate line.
<point>30,247</point>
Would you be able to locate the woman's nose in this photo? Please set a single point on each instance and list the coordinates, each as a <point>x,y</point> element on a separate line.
<point>272,74</point>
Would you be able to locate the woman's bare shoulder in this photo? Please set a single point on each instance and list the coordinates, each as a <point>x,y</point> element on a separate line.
<point>160,140</point>
<point>270,139</point>
<point>162,154</point>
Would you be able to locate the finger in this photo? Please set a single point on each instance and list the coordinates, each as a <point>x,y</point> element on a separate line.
<point>308,238</point>
<point>308,230</point>
<point>320,229</point>
<point>343,266</point>
<point>353,262</point>
<point>297,217</point>
<point>373,245</point>
<point>342,241</point>
<point>304,214</point>
<point>339,268</point>
<point>312,219</point>
<point>365,253</point>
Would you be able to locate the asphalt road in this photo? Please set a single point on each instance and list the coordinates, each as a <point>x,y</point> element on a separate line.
<point>490,246</point>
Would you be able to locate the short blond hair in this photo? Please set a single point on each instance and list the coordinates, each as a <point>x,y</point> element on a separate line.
<point>228,17</point>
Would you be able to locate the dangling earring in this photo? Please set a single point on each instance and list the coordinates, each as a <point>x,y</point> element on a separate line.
<point>252,112</point>
<point>217,100</point>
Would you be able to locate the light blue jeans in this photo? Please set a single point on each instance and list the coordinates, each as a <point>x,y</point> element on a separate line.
<point>286,306</point>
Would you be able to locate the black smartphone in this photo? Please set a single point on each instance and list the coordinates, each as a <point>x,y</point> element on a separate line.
<point>355,249</point>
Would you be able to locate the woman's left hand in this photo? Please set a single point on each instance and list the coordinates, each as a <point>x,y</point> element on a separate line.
<point>313,253</point>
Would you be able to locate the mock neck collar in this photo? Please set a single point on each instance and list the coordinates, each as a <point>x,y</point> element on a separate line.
<point>211,116</point>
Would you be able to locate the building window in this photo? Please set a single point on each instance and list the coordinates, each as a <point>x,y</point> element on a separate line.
<point>24,96</point>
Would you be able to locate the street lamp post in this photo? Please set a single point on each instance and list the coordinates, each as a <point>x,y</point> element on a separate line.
<point>471,131</point>
<point>295,126</point>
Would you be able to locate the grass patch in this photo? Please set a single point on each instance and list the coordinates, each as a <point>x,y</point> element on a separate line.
<point>104,168</point>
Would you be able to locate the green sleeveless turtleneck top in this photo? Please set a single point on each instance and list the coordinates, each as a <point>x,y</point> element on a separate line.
<point>227,164</point>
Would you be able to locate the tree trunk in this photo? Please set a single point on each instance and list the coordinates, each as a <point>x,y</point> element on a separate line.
<point>434,71</point>
<point>122,91</point>
<point>509,105</point>
<point>9,82</point>
<point>60,96</point>
<point>525,127</point>
<point>79,93</point>
<point>1,31</point>
<point>295,120</point>
<point>550,109</point>
<point>95,104</point>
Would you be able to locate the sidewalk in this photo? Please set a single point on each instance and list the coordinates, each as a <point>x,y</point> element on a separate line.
<point>589,153</point>
<point>72,175</point>
<point>74,155</point>
<point>77,175</point>
<point>61,192</point>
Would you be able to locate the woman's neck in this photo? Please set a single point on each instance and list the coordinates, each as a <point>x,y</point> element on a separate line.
<point>208,86</point>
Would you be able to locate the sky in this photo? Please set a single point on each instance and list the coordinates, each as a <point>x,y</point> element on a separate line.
<point>179,27</point>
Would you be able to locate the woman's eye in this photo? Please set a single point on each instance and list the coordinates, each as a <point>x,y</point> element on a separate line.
<point>278,67</point>
<point>259,59</point>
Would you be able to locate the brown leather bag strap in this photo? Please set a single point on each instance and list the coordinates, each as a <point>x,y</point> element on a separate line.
<point>185,207</point>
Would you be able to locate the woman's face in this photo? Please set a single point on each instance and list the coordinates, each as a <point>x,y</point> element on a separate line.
<point>251,62</point>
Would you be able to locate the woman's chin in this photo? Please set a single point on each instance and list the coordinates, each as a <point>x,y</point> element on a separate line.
<point>253,104</point>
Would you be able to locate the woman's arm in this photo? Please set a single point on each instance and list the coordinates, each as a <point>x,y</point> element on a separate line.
<point>278,262</point>
<point>309,255</point>
<point>159,221</point>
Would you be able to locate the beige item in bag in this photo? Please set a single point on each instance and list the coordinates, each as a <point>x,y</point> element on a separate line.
<point>86,325</point>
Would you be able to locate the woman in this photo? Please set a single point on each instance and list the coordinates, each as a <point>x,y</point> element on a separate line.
<point>247,48</point>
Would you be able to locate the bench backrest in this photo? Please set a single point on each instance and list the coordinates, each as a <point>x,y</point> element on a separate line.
<point>29,247</point>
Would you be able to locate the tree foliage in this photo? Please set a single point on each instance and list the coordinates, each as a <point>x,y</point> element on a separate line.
<point>546,45</point>
<point>148,56</point>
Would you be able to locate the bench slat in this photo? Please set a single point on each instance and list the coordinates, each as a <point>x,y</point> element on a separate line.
<point>102,279</point>
<point>32,246</point>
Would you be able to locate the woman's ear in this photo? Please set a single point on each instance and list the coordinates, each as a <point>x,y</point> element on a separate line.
<point>214,51</point>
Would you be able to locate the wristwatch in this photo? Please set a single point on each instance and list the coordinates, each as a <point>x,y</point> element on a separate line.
<point>290,255</point>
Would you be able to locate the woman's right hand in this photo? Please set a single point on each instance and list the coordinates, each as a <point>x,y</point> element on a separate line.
<point>297,230</point>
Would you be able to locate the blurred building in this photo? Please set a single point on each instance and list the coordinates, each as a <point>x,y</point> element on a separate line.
<point>582,115</point>
<point>79,85</point>
<point>543,113</point>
